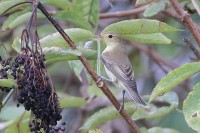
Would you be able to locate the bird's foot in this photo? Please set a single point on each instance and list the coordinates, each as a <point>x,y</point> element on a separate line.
<point>99,79</point>
<point>103,78</point>
<point>121,107</point>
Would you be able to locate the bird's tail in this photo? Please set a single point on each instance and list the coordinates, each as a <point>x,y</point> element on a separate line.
<point>136,97</point>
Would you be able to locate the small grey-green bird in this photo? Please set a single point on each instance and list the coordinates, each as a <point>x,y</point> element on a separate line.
<point>118,67</point>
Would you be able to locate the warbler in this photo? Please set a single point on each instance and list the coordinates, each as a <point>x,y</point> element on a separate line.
<point>118,66</point>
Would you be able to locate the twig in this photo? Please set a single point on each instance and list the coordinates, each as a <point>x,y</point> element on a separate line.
<point>154,55</point>
<point>123,13</point>
<point>186,19</point>
<point>91,71</point>
<point>14,6</point>
<point>196,6</point>
<point>195,51</point>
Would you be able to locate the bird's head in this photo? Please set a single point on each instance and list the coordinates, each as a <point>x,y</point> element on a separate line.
<point>111,39</point>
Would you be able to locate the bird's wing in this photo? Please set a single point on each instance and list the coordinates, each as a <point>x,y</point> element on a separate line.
<point>123,71</point>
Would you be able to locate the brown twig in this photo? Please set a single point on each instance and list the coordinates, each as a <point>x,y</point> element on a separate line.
<point>123,13</point>
<point>91,71</point>
<point>195,51</point>
<point>186,20</point>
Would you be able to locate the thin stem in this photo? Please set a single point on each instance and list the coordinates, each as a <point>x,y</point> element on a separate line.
<point>91,71</point>
<point>131,12</point>
<point>15,6</point>
<point>195,51</point>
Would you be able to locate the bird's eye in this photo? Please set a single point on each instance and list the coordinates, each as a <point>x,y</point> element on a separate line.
<point>110,36</point>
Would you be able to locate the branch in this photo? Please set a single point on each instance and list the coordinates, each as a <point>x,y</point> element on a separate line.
<point>131,12</point>
<point>91,71</point>
<point>186,20</point>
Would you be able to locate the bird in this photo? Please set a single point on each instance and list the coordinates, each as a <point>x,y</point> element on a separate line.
<point>118,66</point>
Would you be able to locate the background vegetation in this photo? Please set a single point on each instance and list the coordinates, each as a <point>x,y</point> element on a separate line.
<point>164,60</point>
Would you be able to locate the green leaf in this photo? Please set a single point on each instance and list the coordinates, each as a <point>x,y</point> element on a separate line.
<point>21,126</point>
<point>45,30</point>
<point>8,83</point>
<point>170,97</point>
<point>11,112</point>
<point>143,2</point>
<point>159,130</point>
<point>95,131</point>
<point>56,40</point>
<point>155,38</point>
<point>11,18</point>
<point>73,17</point>
<point>4,5</point>
<point>21,19</point>
<point>152,112</point>
<point>89,10</point>
<point>55,54</point>
<point>67,101</point>
<point>62,4</point>
<point>106,114</point>
<point>173,78</point>
<point>155,8</point>
<point>139,26</point>
<point>176,121</point>
<point>191,110</point>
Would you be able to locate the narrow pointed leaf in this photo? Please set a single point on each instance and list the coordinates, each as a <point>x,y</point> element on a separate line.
<point>11,18</point>
<point>152,112</point>
<point>155,38</point>
<point>143,2</point>
<point>67,101</point>
<point>191,110</point>
<point>90,11</point>
<point>7,83</point>
<point>159,130</point>
<point>21,19</point>
<point>4,5</point>
<point>155,8</point>
<point>56,40</point>
<point>139,26</point>
<point>173,78</point>
<point>73,17</point>
<point>104,115</point>
<point>62,4</point>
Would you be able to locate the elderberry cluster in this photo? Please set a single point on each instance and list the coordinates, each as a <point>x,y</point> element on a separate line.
<point>35,90</point>
<point>5,67</point>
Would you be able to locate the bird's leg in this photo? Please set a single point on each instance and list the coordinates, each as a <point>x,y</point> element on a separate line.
<point>122,105</point>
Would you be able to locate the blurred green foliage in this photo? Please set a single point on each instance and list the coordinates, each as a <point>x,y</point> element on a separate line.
<point>76,90</point>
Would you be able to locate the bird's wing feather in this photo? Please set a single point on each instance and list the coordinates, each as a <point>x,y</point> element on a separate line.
<point>123,71</point>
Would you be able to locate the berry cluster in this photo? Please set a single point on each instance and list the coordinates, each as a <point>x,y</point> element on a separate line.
<point>35,90</point>
<point>4,68</point>
<point>57,129</point>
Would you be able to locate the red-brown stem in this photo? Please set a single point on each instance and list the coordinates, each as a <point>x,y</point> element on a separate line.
<point>91,71</point>
<point>186,19</point>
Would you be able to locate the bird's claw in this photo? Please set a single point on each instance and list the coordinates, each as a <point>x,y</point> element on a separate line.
<point>99,79</point>
<point>121,107</point>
